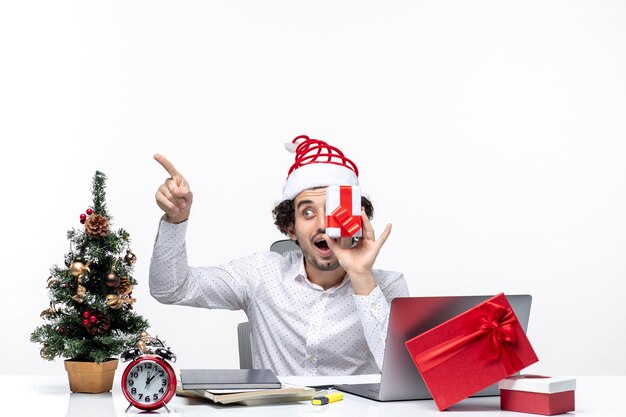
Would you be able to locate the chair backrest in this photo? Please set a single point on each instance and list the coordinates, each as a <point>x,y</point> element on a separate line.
<point>245,349</point>
<point>284,246</point>
<point>243,329</point>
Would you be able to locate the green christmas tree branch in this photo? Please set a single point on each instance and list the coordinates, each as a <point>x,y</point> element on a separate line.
<point>98,190</point>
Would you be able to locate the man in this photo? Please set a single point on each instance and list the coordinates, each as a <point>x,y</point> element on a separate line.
<point>320,312</point>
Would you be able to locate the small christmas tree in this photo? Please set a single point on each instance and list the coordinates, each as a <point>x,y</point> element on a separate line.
<point>91,315</point>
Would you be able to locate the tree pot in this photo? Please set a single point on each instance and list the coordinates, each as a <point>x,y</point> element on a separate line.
<point>91,377</point>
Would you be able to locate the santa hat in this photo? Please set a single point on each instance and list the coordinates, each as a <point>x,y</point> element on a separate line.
<point>317,164</point>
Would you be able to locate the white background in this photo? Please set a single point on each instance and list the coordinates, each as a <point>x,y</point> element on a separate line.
<point>490,133</point>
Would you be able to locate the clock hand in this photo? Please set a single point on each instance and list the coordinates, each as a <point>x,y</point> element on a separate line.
<point>150,378</point>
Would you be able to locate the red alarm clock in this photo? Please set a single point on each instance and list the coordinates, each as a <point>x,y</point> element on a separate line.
<point>149,381</point>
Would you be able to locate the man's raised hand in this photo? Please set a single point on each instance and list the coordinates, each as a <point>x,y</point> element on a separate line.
<point>173,196</point>
<point>359,260</point>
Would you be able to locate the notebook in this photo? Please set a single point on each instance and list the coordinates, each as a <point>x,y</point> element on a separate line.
<point>207,379</point>
<point>408,317</point>
<point>288,393</point>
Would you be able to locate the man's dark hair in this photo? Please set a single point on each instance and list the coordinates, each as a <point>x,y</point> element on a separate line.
<point>285,213</point>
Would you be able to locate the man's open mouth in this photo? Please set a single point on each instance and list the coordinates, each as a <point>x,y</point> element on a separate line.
<point>322,244</point>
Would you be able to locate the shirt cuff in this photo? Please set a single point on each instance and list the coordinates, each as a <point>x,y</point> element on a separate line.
<point>171,234</point>
<point>375,304</point>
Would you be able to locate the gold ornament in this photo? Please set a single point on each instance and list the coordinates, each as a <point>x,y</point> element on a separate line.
<point>130,257</point>
<point>79,297</point>
<point>144,334</point>
<point>78,269</point>
<point>52,281</point>
<point>141,345</point>
<point>118,301</point>
<point>49,312</point>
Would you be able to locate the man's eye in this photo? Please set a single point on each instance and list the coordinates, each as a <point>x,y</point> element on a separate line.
<point>307,212</point>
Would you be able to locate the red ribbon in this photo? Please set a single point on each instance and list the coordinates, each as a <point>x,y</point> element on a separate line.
<point>496,325</point>
<point>342,217</point>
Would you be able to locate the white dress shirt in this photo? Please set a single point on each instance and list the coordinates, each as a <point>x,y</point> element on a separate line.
<point>297,327</point>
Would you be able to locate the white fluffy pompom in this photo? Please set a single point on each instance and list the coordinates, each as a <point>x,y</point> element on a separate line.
<point>291,147</point>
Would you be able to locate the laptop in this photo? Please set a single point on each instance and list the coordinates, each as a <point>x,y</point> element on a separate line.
<point>409,317</point>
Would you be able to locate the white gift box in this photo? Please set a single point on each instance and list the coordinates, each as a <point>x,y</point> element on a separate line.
<point>537,394</point>
<point>343,211</point>
<point>538,383</point>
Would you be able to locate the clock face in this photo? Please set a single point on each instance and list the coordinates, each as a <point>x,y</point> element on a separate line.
<point>148,382</point>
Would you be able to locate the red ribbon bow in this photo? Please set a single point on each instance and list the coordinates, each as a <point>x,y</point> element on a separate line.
<point>342,216</point>
<point>496,325</point>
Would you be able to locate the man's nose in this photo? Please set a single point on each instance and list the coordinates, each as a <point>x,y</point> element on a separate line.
<point>321,221</point>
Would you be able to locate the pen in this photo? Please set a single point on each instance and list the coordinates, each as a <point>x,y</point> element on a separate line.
<point>327,399</point>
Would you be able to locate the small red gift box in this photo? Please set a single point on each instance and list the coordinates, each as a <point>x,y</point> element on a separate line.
<point>343,211</point>
<point>471,351</point>
<point>537,394</point>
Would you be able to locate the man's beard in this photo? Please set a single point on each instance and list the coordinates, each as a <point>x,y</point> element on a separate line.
<point>329,265</point>
<point>325,266</point>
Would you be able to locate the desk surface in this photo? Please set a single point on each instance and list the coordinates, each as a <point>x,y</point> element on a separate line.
<point>49,396</point>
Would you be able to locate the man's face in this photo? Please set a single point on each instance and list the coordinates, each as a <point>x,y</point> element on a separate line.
<point>310,225</point>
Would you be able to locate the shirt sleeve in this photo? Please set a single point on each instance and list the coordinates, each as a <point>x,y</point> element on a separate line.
<point>173,281</point>
<point>374,310</point>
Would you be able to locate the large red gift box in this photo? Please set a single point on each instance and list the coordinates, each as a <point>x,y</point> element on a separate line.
<point>343,211</point>
<point>471,351</point>
<point>537,394</point>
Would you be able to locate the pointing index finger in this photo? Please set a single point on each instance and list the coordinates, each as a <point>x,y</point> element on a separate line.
<point>169,167</point>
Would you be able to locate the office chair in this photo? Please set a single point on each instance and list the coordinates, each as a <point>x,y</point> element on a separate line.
<point>283,247</point>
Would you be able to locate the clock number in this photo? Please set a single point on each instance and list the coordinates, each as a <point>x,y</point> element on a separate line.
<point>161,390</point>
<point>140,396</point>
<point>147,399</point>
<point>164,382</point>
<point>131,382</point>
<point>133,390</point>
<point>155,397</point>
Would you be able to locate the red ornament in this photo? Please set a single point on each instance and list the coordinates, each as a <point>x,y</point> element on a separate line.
<point>82,221</point>
<point>85,322</point>
<point>93,319</point>
<point>86,314</point>
<point>61,330</point>
<point>83,216</point>
<point>89,211</point>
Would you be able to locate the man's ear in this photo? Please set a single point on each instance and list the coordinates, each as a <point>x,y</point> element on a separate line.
<point>291,232</point>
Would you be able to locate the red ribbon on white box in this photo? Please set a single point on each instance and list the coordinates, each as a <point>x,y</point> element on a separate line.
<point>344,205</point>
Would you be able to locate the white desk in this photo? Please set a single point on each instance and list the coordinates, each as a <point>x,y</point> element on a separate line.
<point>49,396</point>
